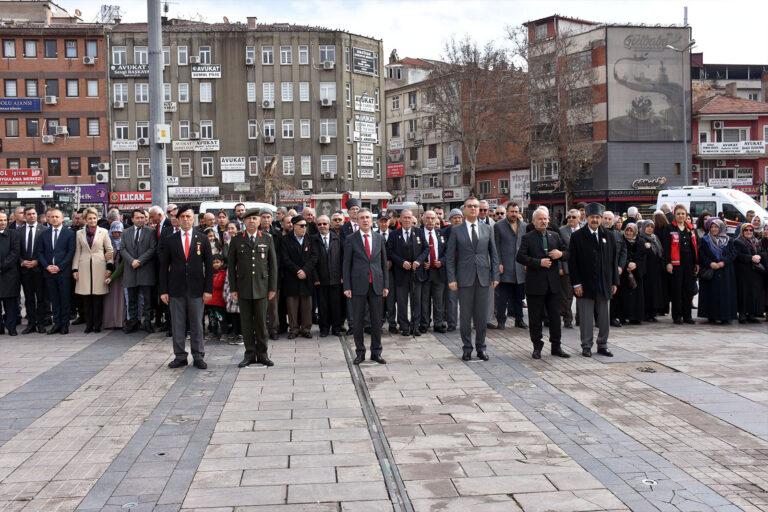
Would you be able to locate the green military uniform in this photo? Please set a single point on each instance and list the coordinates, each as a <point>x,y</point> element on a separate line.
<point>253,274</point>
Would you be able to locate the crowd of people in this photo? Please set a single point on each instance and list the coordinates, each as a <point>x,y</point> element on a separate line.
<point>256,277</point>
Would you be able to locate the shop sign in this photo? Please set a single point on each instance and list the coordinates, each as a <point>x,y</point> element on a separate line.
<point>364,61</point>
<point>169,106</point>
<point>365,103</point>
<point>130,197</point>
<point>232,176</point>
<point>545,187</point>
<point>744,147</point>
<point>432,164</point>
<point>129,71</point>
<point>196,193</point>
<point>365,148</point>
<point>396,144</point>
<point>206,71</point>
<point>20,105</point>
<point>21,177</point>
<point>395,170</point>
<point>94,193</point>
<point>229,163</point>
<point>730,182</point>
<point>365,172</point>
<point>125,145</point>
<point>365,160</point>
<point>171,181</point>
<point>395,156</point>
<point>196,145</point>
<point>649,183</point>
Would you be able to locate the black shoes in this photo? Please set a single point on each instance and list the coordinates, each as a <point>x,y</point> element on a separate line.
<point>200,364</point>
<point>291,335</point>
<point>378,359</point>
<point>29,330</point>
<point>605,352</point>
<point>521,324</point>
<point>274,336</point>
<point>87,330</point>
<point>441,330</point>
<point>615,322</point>
<point>568,325</point>
<point>245,362</point>
<point>405,332</point>
<point>586,352</point>
<point>416,332</point>
<point>536,354</point>
<point>491,327</point>
<point>559,353</point>
<point>482,355</point>
<point>307,334</point>
<point>79,320</point>
<point>467,356</point>
<point>177,363</point>
<point>40,329</point>
<point>54,330</point>
<point>335,332</point>
<point>12,332</point>
<point>422,329</point>
<point>451,328</point>
<point>679,321</point>
<point>393,330</point>
<point>691,321</point>
<point>323,334</point>
<point>265,361</point>
<point>63,330</point>
<point>359,359</point>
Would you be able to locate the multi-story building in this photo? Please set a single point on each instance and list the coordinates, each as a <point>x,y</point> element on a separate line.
<point>54,128</point>
<point>236,95</point>
<point>748,78</point>
<point>423,165</point>
<point>639,120</point>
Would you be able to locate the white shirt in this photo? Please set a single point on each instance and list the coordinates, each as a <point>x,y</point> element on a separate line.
<point>469,228</point>
<point>33,227</point>
<point>433,233</point>
<point>406,234</point>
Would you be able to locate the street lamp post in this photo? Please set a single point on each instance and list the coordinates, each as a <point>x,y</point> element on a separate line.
<point>685,122</point>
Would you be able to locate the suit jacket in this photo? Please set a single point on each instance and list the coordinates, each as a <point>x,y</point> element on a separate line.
<point>295,257</point>
<point>347,229</point>
<point>328,270</point>
<point>508,243</point>
<point>398,251</point>
<point>10,276</point>
<point>61,255</point>
<point>621,249</point>
<point>464,263</point>
<point>424,274</point>
<point>144,253</point>
<point>358,266</point>
<point>180,277</point>
<point>565,234</point>
<point>37,242</point>
<point>593,267</point>
<point>165,229</point>
<point>539,279</point>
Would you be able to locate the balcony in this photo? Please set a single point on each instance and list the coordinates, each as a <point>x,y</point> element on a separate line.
<point>742,149</point>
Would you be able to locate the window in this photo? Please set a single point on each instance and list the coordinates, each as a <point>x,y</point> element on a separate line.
<point>167,96</point>
<point>306,165</point>
<point>545,170</point>
<point>268,91</point>
<point>142,167</point>
<point>92,88</point>
<point>395,129</point>
<point>269,128</point>
<point>119,55</point>
<point>9,48</point>
<point>413,153</point>
<point>289,166</point>
<point>73,126</point>
<point>169,166</point>
<point>33,163</point>
<point>541,31</point>
<point>70,50</point>
<point>183,93</point>
<point>204,53</point>
<point>51,125</point>
<point>328,91</point>
<point>31,88</point>
<point>93,165</point>
<point>121,92</point>
<point>185,167</point>
<point>30,48</point>
<point>94,128</point>
<point>142,129</point>
<point>732,213</point>
<point>267,55</point>
<point>14,163</point>
<point>141,93</point>
<point>287,128</point>
<point>250,91</point>
<point>303,54</point>
<point>504,185</point>
<point>72,88</point>
<point>346,58</point>
<point>182,55</point>
<point>51,48</point>
<point>121,130</point>
<point>328,127</point>
<point>10,89</point>
<point>73,166</point>
<point>91,48</point>
<point>207,166</point>
<point>699,207</point>
<point>122,168</point>
<point>396,73</point>
<point>206,129</point>
<point>140,55</point>
<point>52,87</point>
<point>677,168</point>
<point>250,53</point>
<point>703,137</point>
<point>11,127</point>
<point>580,61</point>
<point>54,167</point>
<point>412,96</point>
<point>327,53</point>
<point>33,127</point>
<point>206,92</point>
<point>304,128</point>
<point>432,151</point>
<point>484,187</point>
<point>378,169</point>
<point>433,181</point>
<point>286,91</point>
<point>412,125</point>
<point>253,129</point>
<point>253,166</point>
<point>184,129</point>
<point>348,94</point>
<point>303,91</point>
<point>765,132</point>
<point>348,168</point>
<point>754,96</point>
<point>166,56</point>
<point>286,55</point>
<point>731,134</point>
<point>348,131</point>
<point>414,182</point>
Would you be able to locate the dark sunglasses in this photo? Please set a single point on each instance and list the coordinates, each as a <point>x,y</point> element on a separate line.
<point>336,220</point>
<point>499,214</point>
<point>572,217</point>
<point>322,223</point>
<point>483,209</point>
<point>299,225</point>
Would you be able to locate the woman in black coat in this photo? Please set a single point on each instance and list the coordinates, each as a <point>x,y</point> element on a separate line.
<point>717,278</point>
<point>653,281</point>
<point>681,257</point>
<point>750,275</point>
<point>632,300</point>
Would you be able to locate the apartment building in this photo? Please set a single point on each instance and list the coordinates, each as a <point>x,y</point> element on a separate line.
<point>236,95</point>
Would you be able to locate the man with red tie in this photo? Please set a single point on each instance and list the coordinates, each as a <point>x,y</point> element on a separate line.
<point>431,275</point>
<point>366,283</point>
<point>186,281</point>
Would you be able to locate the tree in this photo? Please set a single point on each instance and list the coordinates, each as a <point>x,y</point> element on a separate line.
<point>561,86</point>
<point>273,182</point>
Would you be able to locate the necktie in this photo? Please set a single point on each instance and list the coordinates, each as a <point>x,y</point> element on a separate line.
<point>368,253</point>
<point>159,228</point>
<point>253,239</point>
<point>186,245</point>
<point>138,231</point>
<point>407,232</point>
<point>325,242</point>
<point>355,227</point>
<point>545,242</point>
<point>432,249</point>
<point>474,237</point>
<point>30,241</point>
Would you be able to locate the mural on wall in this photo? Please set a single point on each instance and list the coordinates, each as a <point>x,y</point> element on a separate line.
<point>646,83</point>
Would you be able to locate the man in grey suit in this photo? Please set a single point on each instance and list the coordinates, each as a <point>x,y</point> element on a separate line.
<point>138,252</point>
<point>509,234</point>
<point>573,220</point>
<point>366,283</point>
<point>472,265</point>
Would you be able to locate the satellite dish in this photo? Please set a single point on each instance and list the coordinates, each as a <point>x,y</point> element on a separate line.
<point>226,20</point>
<point>78,13</point>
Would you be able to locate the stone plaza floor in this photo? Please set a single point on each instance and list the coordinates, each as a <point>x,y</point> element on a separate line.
<point>676,421</point>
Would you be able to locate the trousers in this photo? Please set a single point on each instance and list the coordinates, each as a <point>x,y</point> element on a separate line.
<point>587,310</point>
<point>187,311</point>
<point>473,307</point>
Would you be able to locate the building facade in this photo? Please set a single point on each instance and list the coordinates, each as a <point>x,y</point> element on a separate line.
<point>750,80</point>
<point>237,95</point>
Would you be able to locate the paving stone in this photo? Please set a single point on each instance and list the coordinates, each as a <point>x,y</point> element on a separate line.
<point>371,473</point>
<point>289,476</point>
<point>351,491</point>
<point>235,496</point>
<point>492,503</point>
<point>502,484</point>
<point>430,489</point>
<point>430,471</point>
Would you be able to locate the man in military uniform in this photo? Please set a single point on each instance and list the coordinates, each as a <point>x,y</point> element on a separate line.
<point>253,283</point>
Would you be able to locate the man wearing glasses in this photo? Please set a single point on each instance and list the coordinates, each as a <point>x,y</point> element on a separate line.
<point>328,278</point>
<point>483,214</point>
<point>298,260</point>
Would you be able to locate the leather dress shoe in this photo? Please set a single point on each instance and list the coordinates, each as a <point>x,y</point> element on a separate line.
<point>491,327</point>
<point>350,332</point>
<point>379,360</point>
<point>245,362</point>
<point>64,330</point>
<point>40,329</point>
<point>367,330</point>
<point>54,330</point>
<point>393,330</point>
<point>586,352</point>
<point>2,329</point>
<point>405,333</point>
<point>200,364</point>
<point>521,324</point>
<point>87,330</point>
<point>615,322</point>
<point>79,320</point>
<point>467,356</point>
<point>274,336</point>
<point>440,329</point>
<point>29,330</point>
<point>559,353</point>
<point>336,332</point>
<point>323,334</point>
<point>605,352</point>
<point>691,321</point>
<point>177,363</point>
<point>536,354</point>
<point>568,326</point>
<point>12,332</point>
<point>291,335</point>
<point>679,321</point>
<point>359,359</point>
<point>416,332</point>
<point>482,355</point>
<point>265,361</point>
<point>451,328</point>
<point>422,329</point>
<point>307,334</point>
<point>97,329</point>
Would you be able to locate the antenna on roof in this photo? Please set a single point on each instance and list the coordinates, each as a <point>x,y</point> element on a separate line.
<point>78,13</point>
<point>226,20</point>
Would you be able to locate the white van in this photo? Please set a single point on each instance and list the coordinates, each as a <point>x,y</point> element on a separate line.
<point>697,199</point>
<point>229,207</point>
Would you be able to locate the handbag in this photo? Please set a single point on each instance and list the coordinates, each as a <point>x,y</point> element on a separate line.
<point>631,281</point>
<point>707,274</point>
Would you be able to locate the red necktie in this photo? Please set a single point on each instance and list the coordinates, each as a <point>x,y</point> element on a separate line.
<point>432,251</point>
<point>368,253</point>
<point>186,245</point>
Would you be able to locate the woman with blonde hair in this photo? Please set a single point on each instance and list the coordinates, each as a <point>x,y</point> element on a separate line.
<point>91,267</point>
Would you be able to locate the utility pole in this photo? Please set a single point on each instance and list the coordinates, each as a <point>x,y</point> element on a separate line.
<point>156,114</point>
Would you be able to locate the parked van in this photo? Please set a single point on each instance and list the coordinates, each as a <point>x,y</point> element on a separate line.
<point>229,207</point>
<point>733,203</point>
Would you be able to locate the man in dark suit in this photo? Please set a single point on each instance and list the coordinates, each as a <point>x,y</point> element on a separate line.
<point>138,249</point>
<point>366,282</point>
<point>390,305</point>
<point>9,275</point>
<point>540,251</point>
<point>32,278</point>
<point>163,228</point>
<point>594,277</point>
<point>351,226</point>
<point>472,266</point>
<point>328,275</point>
<point>430,277</point>
<point>609,224</point>
<point>267,227</point>
<point>186,281</point>
<point>298,260</point>
<point>55,256</point>
<point>407,251</point>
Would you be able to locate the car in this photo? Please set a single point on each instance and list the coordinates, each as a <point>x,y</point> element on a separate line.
<point>229,207</point>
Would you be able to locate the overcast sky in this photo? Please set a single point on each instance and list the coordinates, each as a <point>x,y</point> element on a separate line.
<point>726,31</point>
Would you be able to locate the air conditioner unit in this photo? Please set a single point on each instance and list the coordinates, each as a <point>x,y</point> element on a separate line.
<point>329,64</point>
<point>306,184</point>
<point>49,139</point>
<point>504,190</point>
<point>269,139</point>
<point>89,61</point>
<point>143,141</point>
<point>144,185</point>
<point>721,163</point>
<point>194,59</point>
<point>412,106</point>
<point>414,163</point>
<point>102,177</point>
<point>328,175</point>
<point>103,166</point>
<point>695,167</point>
<point>62,130</point>
<point>250,61</point>
<point>194,135</point>
<point>268,104</point>
<point>326,102</point>
<point>51,100</point>
<point>411,135</point>
<point>325,139</point>
<point>118,105</point>
<point>718,125</point>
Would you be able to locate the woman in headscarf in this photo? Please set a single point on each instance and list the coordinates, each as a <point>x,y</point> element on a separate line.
<point>681,257</point>
<point>750,275</point>
<point>717,278</point>
<point>114,303</point>
<point>631,290</point>
<point>653,280</point>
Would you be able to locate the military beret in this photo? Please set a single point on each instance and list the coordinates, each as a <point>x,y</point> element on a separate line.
<point>353,202</point>
<point>183,208</point>
<point>594,209</point>
<point>253,212</point>
<point>297,219</point>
